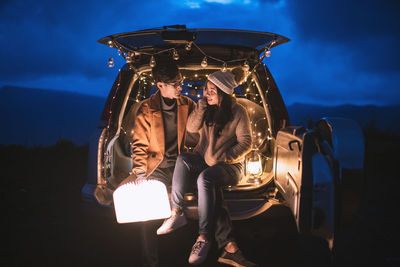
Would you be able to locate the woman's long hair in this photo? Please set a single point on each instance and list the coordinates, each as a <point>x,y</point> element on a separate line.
<point>220,115</point>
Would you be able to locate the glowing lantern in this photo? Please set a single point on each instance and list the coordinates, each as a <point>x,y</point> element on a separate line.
<point>141,202</point>
<point>253,167</point>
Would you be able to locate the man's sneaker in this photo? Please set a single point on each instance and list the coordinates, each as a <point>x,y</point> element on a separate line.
<point>199,251</point>
<point>172,223</point>
<point>235,259</point>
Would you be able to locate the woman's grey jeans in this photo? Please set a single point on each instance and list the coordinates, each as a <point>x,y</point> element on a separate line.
<point>213,214</point>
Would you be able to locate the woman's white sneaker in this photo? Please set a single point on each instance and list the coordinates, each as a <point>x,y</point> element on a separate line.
<point>172,223</point>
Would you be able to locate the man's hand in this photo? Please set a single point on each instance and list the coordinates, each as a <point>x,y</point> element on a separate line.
<point>134,178</point>
<point>140,177</point>
<point>127,180</point>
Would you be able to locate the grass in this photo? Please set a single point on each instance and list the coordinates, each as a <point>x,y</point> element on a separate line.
<point>42,221</point>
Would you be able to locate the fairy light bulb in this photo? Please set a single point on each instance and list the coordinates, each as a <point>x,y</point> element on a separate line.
<point>246,65</point>
<point>110,43</point>
<point>110,62</point>
<point>132,56</point>
<point>204,62</point>
<point>175,55</point>
<point>188,46</point>
<point>267,53</point>
<point>224,67</point>
<point>152,62</point>
<point>129,58</point>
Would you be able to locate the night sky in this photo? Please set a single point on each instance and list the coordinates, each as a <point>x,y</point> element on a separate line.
<point>341,52</point>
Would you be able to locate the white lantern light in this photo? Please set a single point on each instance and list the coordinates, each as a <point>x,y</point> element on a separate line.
<point>141,202</point>
<point>253,167</point>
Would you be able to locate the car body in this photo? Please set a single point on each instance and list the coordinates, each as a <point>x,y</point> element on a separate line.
<point>300,168</point>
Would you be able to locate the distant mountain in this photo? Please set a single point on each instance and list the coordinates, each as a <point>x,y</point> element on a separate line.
<point>41,117</point>
<point>385,118</point>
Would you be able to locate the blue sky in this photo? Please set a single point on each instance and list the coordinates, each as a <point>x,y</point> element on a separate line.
<point>341,52</point>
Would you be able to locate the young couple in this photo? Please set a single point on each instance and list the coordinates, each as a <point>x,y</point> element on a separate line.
<point>158,141</point>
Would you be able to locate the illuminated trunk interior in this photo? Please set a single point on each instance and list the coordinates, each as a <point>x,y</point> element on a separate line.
<point>258,163</point>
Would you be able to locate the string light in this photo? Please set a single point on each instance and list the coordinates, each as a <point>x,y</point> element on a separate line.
<point>204,62</point>
<point>129,58</point>
<point>224,67</point>
<point>175,55</point>
<point>152,62</point>
<point>110,62</point>
<point>246,65</point>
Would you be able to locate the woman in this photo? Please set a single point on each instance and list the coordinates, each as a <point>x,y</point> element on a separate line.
<point>225,138</point>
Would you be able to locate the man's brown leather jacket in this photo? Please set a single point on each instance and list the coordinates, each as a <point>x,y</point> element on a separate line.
<point>148,137</point>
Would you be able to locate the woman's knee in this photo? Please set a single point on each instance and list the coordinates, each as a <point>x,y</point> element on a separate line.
<point>205,179</point>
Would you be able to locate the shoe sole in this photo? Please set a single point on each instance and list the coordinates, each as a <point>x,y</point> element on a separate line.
<point>172,230</point>
<point>197,263</point>
<point>230,262</point>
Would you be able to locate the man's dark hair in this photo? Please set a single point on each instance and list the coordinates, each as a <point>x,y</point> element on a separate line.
<point>165,71</point>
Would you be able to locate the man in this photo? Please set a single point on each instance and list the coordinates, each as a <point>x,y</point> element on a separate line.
<point>159,136</point>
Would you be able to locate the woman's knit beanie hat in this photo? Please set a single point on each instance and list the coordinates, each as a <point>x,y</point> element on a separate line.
<point>224,80</point>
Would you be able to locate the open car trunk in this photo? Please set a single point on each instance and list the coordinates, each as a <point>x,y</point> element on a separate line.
<point>250,196</point>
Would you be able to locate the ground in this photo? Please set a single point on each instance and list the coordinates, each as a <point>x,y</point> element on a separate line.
<point>44,222</point>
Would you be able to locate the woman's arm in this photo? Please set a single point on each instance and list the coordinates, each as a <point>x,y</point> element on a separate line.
<point>195,119</point>
<point>243,137</point>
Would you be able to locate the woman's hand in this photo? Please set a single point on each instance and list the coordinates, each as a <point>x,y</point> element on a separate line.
<point>202,103</point>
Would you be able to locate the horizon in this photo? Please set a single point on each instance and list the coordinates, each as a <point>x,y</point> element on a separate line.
<point>105,97</point>
<point>48,115</point>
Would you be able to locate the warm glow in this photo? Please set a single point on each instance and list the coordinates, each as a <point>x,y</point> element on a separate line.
<point>253,163</point>
<point>141,202</point>
<point>254,167</point>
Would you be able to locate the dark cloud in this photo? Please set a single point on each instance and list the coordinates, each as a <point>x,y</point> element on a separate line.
<point>341,51</point>
<point>367,30</point>
<point>59,37</point>
<point>55,37</point>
